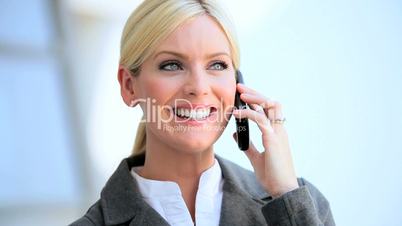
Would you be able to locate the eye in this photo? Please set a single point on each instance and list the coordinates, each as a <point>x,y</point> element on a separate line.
<point>220,66</point>
<point>170,66</point>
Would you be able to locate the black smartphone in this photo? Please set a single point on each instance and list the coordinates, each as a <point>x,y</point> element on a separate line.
<point>242,129</point>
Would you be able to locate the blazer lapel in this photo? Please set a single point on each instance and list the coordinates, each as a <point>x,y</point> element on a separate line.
<point>148,217</point>
<point>240,205</point>
<point>239,209</point>
<point>122,202</point>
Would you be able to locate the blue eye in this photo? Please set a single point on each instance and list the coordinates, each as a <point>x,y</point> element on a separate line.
<point>220,66</point>
<point>170,66</point>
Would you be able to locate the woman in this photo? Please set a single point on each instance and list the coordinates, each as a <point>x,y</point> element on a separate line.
<point>178,63</point>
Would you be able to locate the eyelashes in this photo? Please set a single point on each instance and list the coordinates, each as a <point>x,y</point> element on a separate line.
<point>223,65</point>
<point>174,65</point>
<point>170,65</point>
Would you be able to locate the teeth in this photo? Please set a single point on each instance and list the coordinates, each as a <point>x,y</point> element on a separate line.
<point>193,114</point>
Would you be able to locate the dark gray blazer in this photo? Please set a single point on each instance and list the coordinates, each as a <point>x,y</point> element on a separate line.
<point>244,201</point>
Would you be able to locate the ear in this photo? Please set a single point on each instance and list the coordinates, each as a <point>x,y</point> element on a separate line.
<point>126,80</point>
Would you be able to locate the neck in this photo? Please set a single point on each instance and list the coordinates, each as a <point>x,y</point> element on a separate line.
<point>165,163</point>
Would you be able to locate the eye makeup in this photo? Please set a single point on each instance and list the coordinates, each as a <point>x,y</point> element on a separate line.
<point>223,64</point>
<point>174,65</point>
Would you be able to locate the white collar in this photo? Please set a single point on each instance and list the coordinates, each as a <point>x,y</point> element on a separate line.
<point>208,185</point>
<point>165,197</point>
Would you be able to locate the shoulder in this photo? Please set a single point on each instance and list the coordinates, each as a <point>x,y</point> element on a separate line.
<point>94,216</point>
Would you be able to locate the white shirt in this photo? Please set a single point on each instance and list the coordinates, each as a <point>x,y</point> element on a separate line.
<point>165,197</point>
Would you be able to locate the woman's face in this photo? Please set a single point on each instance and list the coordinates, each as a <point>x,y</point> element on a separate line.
<point>189,84</point>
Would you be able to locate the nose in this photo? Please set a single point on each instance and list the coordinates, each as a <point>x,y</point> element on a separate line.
<point>197,83</point>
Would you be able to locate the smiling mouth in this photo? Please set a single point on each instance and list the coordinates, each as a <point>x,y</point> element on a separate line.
<point>194,114</point>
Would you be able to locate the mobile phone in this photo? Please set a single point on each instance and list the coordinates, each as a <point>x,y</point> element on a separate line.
<point>242,129</point>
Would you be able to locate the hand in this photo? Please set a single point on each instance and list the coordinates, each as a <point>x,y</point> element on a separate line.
<point>273,167</point>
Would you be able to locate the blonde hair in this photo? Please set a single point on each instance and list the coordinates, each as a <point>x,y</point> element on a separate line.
<point>152,22</point>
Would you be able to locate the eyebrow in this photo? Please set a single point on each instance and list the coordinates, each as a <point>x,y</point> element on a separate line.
<point>183,56</point>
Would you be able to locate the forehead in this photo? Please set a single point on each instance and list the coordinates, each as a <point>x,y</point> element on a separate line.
<point>198,36</point>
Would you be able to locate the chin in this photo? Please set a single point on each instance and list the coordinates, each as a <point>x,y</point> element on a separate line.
<point>193,143</point>
<point>197,145</point>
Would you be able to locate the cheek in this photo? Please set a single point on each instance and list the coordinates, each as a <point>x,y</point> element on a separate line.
<point>153,85</point>
<point>225,90</point>
<point>229,96</point>
<point>158,89</point>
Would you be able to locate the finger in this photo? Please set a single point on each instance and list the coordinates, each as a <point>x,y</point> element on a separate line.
<point>259,99</point>
<point>271,113</point>
<point>277,112</point>
<point>245,89</point>
<point>269,106</point>
<point>261,120</point>
<point>251,96</point>
<point>257,108</point>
